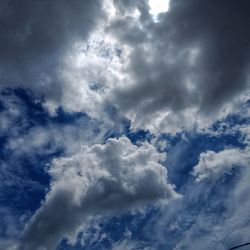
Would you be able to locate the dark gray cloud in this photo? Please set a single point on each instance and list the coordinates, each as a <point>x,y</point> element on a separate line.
<point>189,67</point>
<point>36,36</point>
<point>193,61</point>
<point>220,30</point>
<point>33,31</point>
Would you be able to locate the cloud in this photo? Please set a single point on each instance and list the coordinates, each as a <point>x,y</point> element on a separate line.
<point>213,165</point>
<point>108,178</point>
<point>33,31</point>
<point>190,67</point>
<point>211,215</point>
<point>100,57</point>
<point>127,244</point>
<point>36,38</point>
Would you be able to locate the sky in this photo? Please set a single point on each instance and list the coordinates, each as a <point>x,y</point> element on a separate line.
<point>124,125</point>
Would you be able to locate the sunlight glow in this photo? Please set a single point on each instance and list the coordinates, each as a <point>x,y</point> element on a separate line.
<point>157,7</point>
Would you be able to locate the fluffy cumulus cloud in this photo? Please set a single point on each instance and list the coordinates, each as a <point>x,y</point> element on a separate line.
<point>108,107</point>
<point>213,164</point>
<point>107,178</point>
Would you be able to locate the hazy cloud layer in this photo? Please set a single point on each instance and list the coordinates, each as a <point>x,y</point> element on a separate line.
<point>109,178</point>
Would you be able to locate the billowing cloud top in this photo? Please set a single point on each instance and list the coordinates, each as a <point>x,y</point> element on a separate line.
<point>92,91</point>
<point>107,178</point>
<point>213,164</point>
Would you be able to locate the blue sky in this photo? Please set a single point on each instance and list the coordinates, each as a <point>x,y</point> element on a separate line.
<point>124,125</point>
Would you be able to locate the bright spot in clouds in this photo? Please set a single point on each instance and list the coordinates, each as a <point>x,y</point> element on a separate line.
<point>158,6</point>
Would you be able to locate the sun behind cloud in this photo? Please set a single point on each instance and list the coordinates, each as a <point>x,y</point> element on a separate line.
<point>157,7</point>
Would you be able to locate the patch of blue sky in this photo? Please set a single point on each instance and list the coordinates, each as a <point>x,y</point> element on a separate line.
<point>114,230</point>
<point>24,179</point>
<point>28,188</point>
<point>204,206</point>
<point>38,115</point>
<point>184,148</point>
<point>208,199</point>
<point>123,128</point>
<point>95,86</point>
<point>184,154</point>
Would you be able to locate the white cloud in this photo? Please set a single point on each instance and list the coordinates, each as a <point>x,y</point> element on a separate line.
<point>85,75</point>
<point>108,178</point>
<point>157,7</point>
<point>218,229</point>
<point>165,76</point>
<point>213,165</point>
<point>212,215</point>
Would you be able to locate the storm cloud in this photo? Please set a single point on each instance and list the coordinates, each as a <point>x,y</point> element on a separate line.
<point>191,64</point>
<point>36,36</point>
<point>190,67</point>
